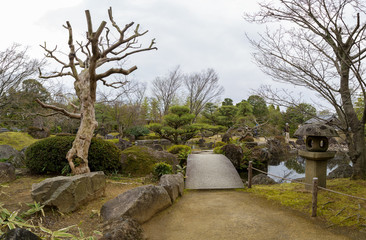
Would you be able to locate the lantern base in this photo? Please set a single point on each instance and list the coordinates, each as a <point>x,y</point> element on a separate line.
<point>316,166</point>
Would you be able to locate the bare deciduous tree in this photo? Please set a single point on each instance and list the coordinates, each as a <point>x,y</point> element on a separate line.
<point>15,66</point>
<point>84,59</point>
<point>165,89</point>
<point>323,50</point>
<point>202,88</point>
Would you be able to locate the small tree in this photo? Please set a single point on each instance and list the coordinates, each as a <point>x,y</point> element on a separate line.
<point>86,64</point>
<point>177,126</point>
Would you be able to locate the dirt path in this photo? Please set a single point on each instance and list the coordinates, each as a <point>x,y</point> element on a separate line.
<point>230,214</point>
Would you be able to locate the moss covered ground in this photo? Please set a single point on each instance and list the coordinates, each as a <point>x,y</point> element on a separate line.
<point>17,140</point>
<point>335,209</point>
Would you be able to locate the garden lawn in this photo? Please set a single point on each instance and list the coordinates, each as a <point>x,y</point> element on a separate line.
<point>17,140</point>
<point>335,209</point>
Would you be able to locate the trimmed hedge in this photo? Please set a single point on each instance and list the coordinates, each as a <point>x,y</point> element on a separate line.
<point>175,149</point>
<point>49,155</point>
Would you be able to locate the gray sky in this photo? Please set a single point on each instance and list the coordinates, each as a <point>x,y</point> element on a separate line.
<point>195,34</point>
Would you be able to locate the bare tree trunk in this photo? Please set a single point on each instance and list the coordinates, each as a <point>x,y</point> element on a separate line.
<point>77,156</point>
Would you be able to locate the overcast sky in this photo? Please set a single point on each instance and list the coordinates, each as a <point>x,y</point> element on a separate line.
<point>195,34</point>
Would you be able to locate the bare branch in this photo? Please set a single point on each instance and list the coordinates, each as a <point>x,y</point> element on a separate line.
<point>59,110</point>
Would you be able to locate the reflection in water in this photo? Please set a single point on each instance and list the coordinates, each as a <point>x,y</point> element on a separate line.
<point>293,166</point>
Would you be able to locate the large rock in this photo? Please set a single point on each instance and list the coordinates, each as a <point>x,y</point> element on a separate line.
<point>7,172</point>
<point>123,144</point>
<point>140,160</point>
<point>122,229</point>
<point>39,133</point>
<point>173,184</point>
<point>140,204</point>
<point>69,193</point>
<point>19,234</point>
<point>262,179</point>
<point>7,151</point>
<point>342,171</point>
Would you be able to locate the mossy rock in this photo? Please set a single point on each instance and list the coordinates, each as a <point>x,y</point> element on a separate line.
<point>140,161</point>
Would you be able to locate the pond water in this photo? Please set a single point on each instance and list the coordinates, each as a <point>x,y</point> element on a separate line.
<point>293,166</point>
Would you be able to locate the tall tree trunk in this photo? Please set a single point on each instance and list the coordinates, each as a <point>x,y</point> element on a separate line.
<point>77,156</point>
<point>355,128</point>
<point>357,153</point>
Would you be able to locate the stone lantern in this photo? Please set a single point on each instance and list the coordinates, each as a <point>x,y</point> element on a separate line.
<point>316,153</point>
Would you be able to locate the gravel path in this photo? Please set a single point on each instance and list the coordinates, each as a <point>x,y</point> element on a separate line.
<point>232,215</point>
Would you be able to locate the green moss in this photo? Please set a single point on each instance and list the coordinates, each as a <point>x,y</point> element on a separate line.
<point>17,140</point>
<point>139,160</point>
<point>175,149</point>
<point>115,140</point>
<point>334,208</point>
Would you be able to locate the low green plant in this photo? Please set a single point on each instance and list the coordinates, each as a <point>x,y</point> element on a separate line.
<point>162,168</point>
<point>34,208</point>
<point>11,220</point>
<point>3,159</point>
<point>181,169</point>
<point>217,150</point>
<point>219,144</point>
<point>183,155</point>
<point>175,149</point>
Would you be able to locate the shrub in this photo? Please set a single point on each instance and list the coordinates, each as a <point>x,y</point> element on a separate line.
<point>175,149</point>
<point>247,139</point>
<point>137,131</point>
<point>183,155</point>
<point>139,160</point>
<point>162,168</point>
<point>218,150</point>
<point>49,155</point>
<point>219,144</point>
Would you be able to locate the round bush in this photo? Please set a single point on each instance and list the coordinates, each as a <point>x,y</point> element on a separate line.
<point>49,155</point>
<point>162,168</point>
<point>175,149</point>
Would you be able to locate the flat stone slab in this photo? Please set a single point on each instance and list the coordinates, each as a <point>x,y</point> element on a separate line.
<point>211,171</point>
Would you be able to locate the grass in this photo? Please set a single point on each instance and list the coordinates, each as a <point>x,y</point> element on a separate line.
<point>17,140</point>
<point>335,209</point>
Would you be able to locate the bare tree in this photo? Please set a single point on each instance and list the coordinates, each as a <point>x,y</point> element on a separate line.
<point>202,88</point>
<point>165,89</point>
<point>323,50</point>
<point>15,66</point>
<point>82,64</point>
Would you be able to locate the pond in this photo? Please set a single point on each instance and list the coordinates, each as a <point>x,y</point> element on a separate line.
<point>293,166</point>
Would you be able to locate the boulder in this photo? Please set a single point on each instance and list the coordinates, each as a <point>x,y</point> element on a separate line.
<point>140,160</point>
<point>19,234</point>
<point>4,130</point>
<point>123,144</point>
<point>234,153</point>
<point>7,151</point>
<point>157,147</point>
<point>69,193</point>
<point>122,229</point>
<point>39,133</point>
<point>7,172</point>
<point>140,204</point>
<point>262,179</point>
<point>173,184</point>
<point>342,171</point>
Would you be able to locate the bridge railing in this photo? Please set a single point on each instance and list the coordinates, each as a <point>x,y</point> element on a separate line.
<point>314,186</point>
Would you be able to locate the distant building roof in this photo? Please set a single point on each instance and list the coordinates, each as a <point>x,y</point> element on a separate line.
<point>330,119</point>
